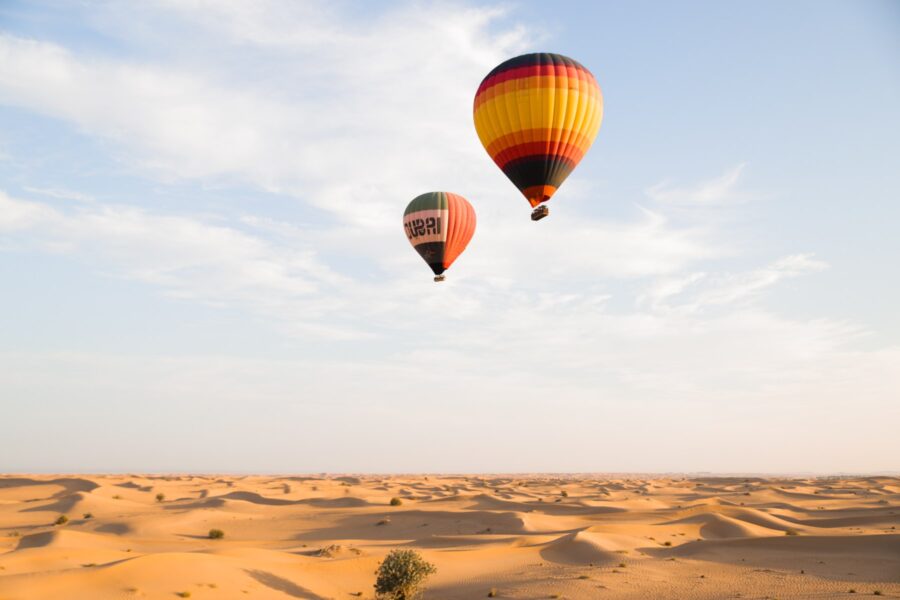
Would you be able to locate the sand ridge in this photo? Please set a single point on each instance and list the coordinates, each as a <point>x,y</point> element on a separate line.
<point>525,536</point>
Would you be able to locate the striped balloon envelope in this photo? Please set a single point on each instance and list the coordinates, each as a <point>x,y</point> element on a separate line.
<point>537,115</point>
<point>439,226</point>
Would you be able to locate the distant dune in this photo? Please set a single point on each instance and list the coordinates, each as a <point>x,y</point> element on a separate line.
<point>526,537</point>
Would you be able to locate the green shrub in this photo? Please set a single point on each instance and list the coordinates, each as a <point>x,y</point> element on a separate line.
<point>396,501</point>
<point>160,497</point>
<point>216,534</point>
<point>401,575</point>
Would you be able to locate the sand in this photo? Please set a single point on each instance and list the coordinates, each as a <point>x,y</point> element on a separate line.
<point>524,536</point>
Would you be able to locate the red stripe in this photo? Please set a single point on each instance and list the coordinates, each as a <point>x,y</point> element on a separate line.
<point>567,151</point>
<point>571,71</point>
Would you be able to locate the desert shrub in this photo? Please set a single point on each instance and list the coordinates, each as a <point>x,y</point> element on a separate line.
<point>396,501</point>
<point>61,520</point>
<point>184,594</point>
<point>160,497</point>
<point>401,575</point>
<point>790,532</point>
<point>216,534</point>
<point>667,543</point>
<point>330,551</point>
<point>88,515</point>
<point>564,494</point>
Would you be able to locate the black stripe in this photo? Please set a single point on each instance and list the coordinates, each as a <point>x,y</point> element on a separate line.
<point>535,58</point>
<point>433,253</point>
<point>545,169</point>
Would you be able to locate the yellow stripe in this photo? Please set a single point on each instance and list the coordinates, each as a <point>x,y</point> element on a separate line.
<point>539,108</point>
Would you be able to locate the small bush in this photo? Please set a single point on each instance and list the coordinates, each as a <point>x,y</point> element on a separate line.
<point>790,532</point>
<point>876,593</point>
<point>564,494</point>
<point>160,497</point>
<point>330,551</point>
<point>492,593</point>
<point>88,515</point>
<point>622,565</point>
<point>216,534</point>
<point>401,575</point>
<point>667,543</point>
<point>61,520</point>
<point>384,521</point>
<point>184,594</point>
<point>396,501</point>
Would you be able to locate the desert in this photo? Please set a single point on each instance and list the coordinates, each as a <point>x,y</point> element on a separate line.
<point>523,536</point>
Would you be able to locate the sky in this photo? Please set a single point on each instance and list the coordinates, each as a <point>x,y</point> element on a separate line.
<point>203,266</point>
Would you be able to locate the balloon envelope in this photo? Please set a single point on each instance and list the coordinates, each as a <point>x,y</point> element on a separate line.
<point>439,225</point>
<point>537,115</point>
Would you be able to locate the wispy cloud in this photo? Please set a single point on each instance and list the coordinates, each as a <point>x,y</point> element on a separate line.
<point>727,288</point>
<point>336,118</point>
<point>718,191</point>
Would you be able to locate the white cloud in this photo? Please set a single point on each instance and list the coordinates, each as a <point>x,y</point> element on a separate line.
<point>723,289</point>
<point>717,191</point>
<point>350,118</point>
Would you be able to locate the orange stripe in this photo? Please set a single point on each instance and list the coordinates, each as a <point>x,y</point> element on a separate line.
<point>460,227</point>
<point>550,137</point>
<point>538,193</point>
<point>528,83</point>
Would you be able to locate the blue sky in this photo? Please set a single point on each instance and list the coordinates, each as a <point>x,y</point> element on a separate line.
<point>204,269</point>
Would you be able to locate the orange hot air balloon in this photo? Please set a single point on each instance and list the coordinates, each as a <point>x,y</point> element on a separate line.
<point>439,225</point>
<point>537,115</point>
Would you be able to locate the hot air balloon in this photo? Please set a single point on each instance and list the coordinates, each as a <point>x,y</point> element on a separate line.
<point>439,225</point>
<point>537,115</point>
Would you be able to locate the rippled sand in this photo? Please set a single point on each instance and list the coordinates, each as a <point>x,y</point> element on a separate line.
<point>524,536</point>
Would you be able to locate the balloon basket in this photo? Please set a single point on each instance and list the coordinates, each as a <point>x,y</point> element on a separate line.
<point>539,213</point>
<point>440,277</point>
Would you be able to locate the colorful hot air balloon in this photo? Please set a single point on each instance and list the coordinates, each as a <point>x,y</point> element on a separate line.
<point>537,115</point>
<point>439,225</point>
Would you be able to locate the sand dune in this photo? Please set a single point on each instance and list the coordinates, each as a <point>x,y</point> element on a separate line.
<point>525,536</point>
